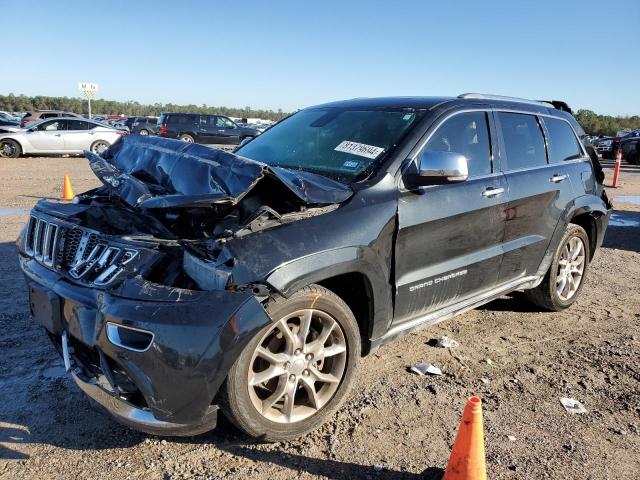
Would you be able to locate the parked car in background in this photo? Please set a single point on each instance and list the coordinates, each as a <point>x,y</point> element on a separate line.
<point>6,122</point>
<point>207,129</point>
<point>604,146</point>
<point>630,146</point>
<point>8,117</point>
<point>63,135</point>
<point>144,125</point>
<point>37,115</point>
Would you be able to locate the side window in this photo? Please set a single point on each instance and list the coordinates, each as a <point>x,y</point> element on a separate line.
<point>467,134</point>
<point>51,126</point>
<point>523,140</point>
<point>224,122</point>
<point>563,144</point>
<point>49,115</point>
<point>79,125</point>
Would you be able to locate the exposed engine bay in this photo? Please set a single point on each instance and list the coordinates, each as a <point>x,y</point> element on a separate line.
<point>183,203</point>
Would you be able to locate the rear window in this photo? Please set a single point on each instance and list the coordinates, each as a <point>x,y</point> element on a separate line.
<point>563,144</point>
<point>523,140</point>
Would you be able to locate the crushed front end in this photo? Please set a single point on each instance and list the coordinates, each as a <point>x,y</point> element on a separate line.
<point>141,301</point>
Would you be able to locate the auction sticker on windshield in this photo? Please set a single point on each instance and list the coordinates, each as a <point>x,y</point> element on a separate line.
<point>361,149</point>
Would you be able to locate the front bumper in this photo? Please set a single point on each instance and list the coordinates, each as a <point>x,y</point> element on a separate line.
<point>168,388</point>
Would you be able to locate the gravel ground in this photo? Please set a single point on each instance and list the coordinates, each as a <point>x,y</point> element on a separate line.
<point>396,424</point>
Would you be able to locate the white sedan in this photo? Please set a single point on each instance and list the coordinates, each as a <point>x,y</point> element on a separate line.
<point>59,136</point>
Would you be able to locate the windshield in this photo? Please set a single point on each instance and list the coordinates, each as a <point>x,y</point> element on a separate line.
<point>341,143</point>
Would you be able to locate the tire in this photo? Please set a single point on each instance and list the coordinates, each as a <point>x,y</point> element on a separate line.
<point>10,148</point>
<point>144,132</point>
<point>244,403</point>
<point>186,138</point>
<point>547,294</point>
<point>99,146</point>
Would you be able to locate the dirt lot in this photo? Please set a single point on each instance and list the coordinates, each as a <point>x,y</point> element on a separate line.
<point>396,424</point>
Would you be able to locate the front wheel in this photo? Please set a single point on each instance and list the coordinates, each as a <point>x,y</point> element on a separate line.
<point>10,148</point>
<point>186,138</point>
<point>144,132</point>
<point>296,371</point>
<point>565,278</point>
<point>99,146</point>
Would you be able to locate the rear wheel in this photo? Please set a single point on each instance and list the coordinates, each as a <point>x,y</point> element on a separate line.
<point>144,132</point>
<point>564,280</point>
<point>297,370</point>
<point>10,148</point>
<point>186,138</point>
<point>99,146</point>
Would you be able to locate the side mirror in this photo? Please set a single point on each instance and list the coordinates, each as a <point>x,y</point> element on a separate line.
<point>436,168</point>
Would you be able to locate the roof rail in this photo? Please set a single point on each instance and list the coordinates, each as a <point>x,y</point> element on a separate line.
<point>482,96</point>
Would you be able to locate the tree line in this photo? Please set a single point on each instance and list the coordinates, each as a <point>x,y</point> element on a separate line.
<point>23,103</point>
<point>595,124</point>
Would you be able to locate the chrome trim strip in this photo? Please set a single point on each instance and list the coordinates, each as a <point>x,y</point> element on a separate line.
<point>114,336</point>
<point>448,312</point>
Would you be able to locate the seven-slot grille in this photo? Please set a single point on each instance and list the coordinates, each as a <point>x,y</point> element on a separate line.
<point>42,240</point>
<point>78,251</point>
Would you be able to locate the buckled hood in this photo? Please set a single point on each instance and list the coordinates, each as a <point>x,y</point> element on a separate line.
<point>155,172</point>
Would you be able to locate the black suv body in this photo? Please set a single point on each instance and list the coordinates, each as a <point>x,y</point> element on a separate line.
<point>142,125</point>
<point>254,281</point>
<point>206,129</point>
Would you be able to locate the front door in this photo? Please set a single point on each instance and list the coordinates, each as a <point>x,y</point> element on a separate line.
<point>228,131</point>
<point>47,136</point>
<point>449,243</point>
<point>539,192</point>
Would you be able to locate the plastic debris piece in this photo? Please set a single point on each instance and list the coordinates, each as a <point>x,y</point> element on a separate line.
<point>572,406</point>
<point>446,342</point>
<point>489,361</point>
<point>424,368</point>
<point>511,438</point>
<point>485,380</point>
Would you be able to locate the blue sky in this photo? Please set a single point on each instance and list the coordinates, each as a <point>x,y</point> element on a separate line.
<point>291,54</point>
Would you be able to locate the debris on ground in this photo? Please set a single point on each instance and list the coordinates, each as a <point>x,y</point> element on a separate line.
<point>485,380</point>
<point>572,406</point>
<point>511,438</point>
<point>424,368</point>
<point>446,342</point>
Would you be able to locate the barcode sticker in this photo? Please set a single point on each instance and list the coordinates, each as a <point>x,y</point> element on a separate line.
<point>360,149</point>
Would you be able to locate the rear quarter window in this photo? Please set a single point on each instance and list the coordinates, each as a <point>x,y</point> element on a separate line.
<point>562,142</point>
<point>523,140</point>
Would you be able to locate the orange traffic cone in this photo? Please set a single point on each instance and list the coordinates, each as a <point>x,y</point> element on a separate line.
<point>67,191</point>
<point>467,456</point>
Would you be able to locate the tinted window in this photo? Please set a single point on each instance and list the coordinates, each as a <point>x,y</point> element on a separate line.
<point>468,134</point>
<point>181,119</point>
<point>78,125</point>
<point>49,115</point>
<point>563,144</point>
<point>523,140</point>
<point>208,120</point>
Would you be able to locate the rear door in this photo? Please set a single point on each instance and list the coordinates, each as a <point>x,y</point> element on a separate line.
<point>208,130</point>
<point>47,136</point>
<point>78,136</point>
<point>449,241</point>
<point>539,192</point>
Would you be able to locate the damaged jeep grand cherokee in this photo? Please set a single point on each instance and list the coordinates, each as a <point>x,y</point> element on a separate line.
<point>195,280</point>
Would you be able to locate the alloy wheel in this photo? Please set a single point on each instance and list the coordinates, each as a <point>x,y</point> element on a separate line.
<point>99,147</point>
<point>570,268</point>
<point>7,149</point>
<point>297,366</point>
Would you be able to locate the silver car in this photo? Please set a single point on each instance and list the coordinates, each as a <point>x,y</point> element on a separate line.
<point>61,135</point>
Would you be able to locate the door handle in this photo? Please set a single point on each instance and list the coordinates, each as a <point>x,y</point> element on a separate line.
<point>491,192</point>
<point>557,178</point>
